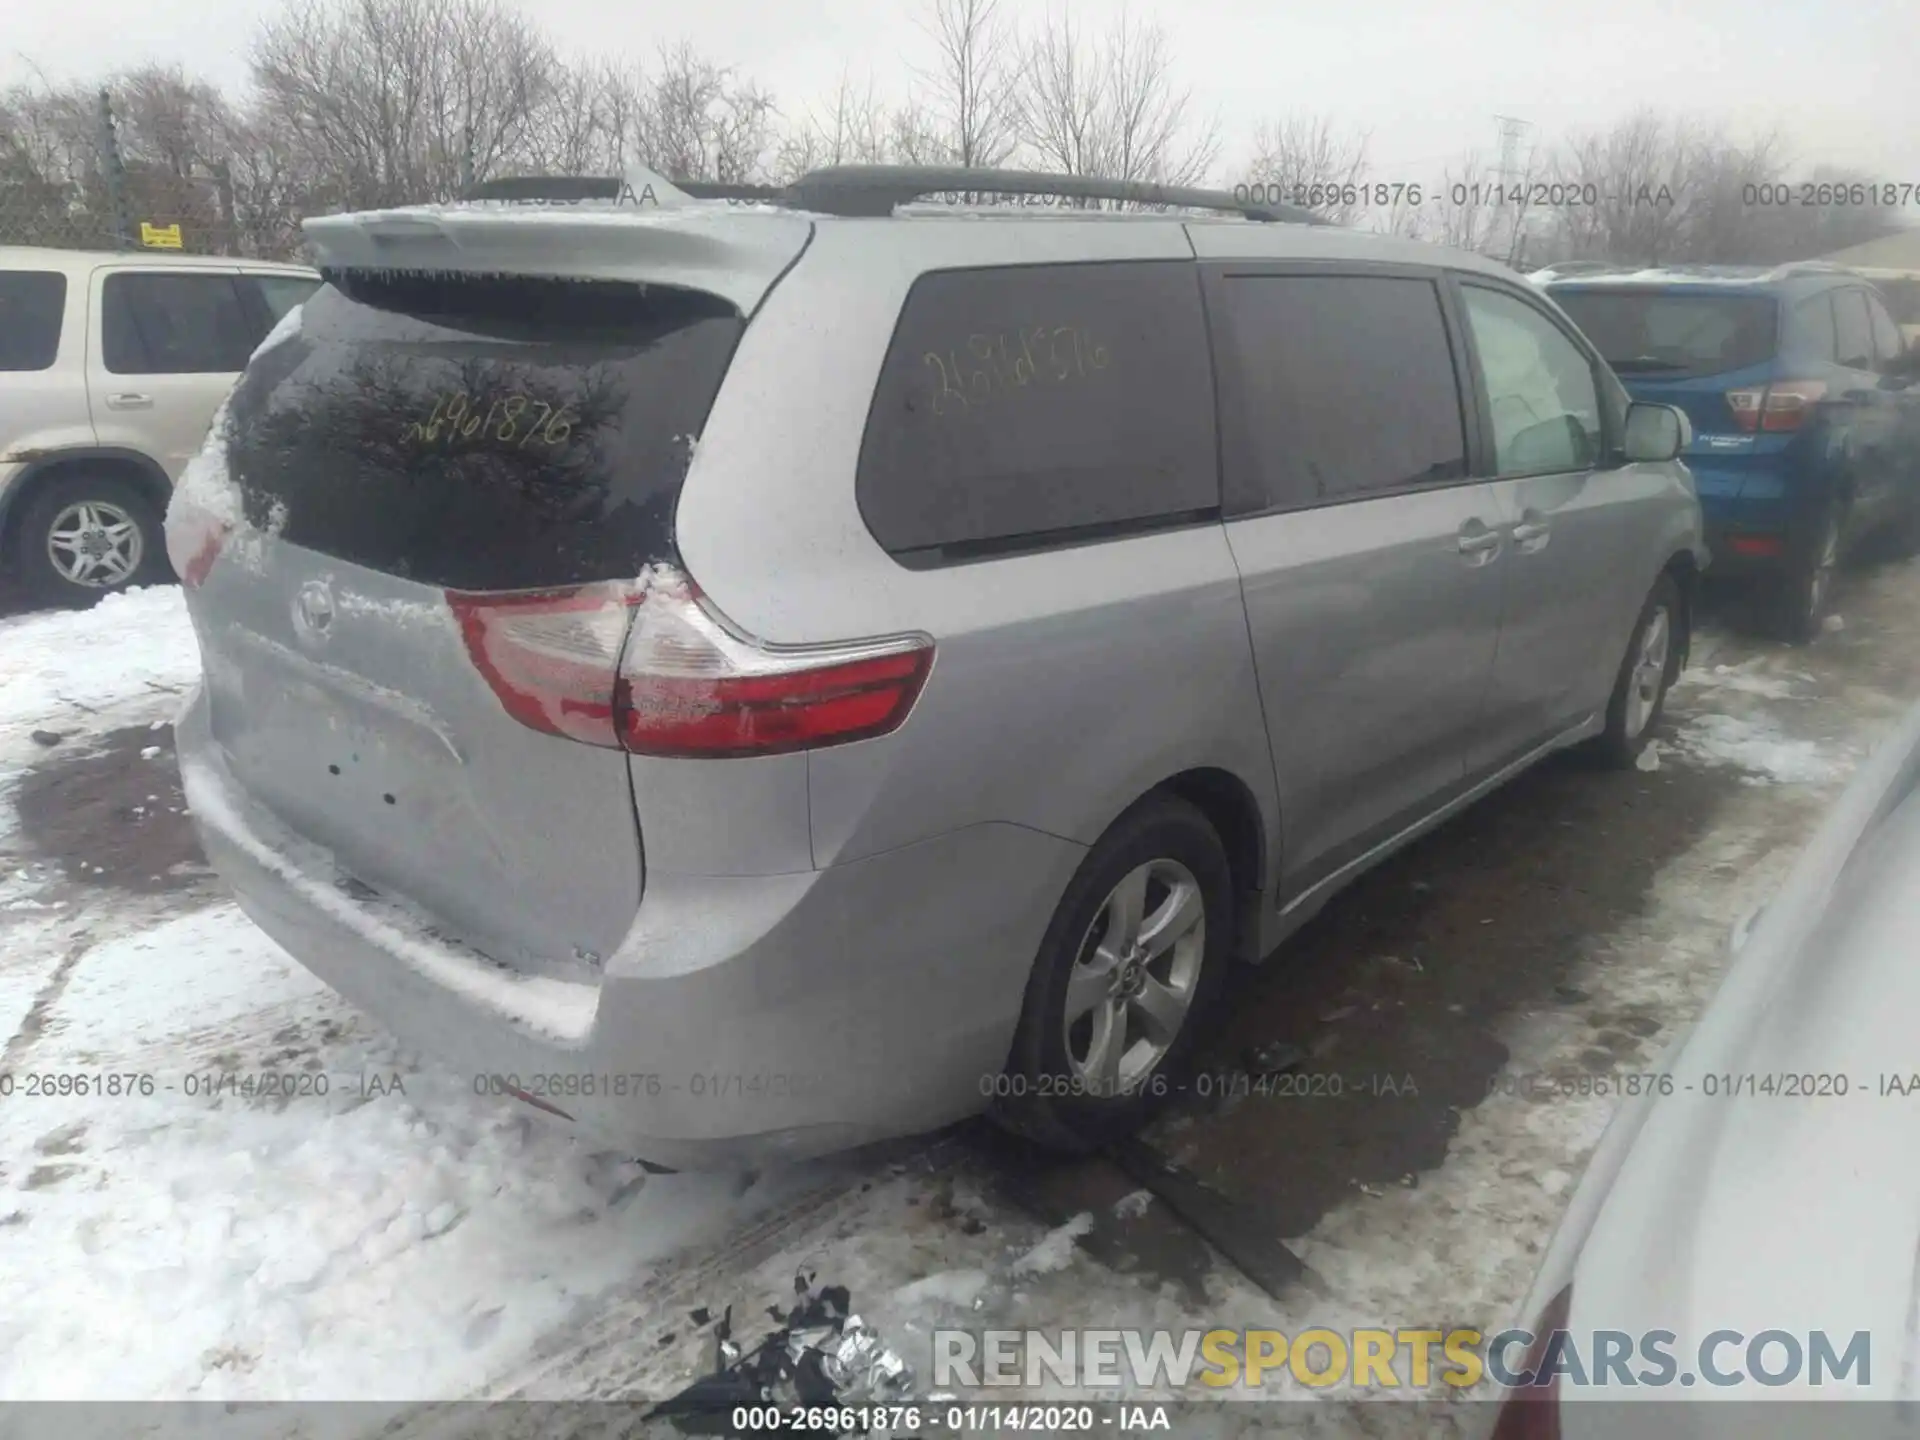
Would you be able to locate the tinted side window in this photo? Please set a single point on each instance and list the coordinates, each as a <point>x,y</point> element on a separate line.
<point>1345,387</point>
<point>1856,331</point>
<point>1887,343</point>
<point>1030,401</point>
<point>159,324</point>
<point>31,304</point>
<point>1811,335</point>
<point>1540,388</point>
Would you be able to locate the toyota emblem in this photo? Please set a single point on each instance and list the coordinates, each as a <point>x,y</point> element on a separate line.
<point>313,609</point>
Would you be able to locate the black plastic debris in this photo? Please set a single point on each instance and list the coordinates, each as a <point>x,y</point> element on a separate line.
<point>1241,1234</point>
<point>821,1356</point>
<point>1263,1062</point>
<point>47,737</point>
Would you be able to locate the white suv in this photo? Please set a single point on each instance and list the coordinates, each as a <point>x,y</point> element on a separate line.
<point>111,367</point>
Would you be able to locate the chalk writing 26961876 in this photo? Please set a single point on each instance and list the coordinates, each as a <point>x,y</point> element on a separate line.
<point>1009,362</point>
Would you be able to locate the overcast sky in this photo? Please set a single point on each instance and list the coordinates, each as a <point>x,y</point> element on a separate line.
<point>1837,81</point>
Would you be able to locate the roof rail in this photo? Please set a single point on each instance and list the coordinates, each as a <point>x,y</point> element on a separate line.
<point>875,190</point>
<point>723,190</point>
<point>562,188</point>
<point>1812,267</point>
<point>865,190</point>
<point>546,187</point>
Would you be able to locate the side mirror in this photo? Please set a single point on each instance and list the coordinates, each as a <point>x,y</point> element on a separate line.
<point>1656,433</point>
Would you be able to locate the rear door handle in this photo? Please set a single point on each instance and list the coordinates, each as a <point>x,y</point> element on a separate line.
<point>1527,532</point>
<point>129,402</point>
<point>1478,543</point>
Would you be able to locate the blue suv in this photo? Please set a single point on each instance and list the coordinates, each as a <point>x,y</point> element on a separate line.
<point>1806,417</point>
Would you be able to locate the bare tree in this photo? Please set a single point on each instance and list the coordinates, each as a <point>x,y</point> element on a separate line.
<point>1112,107</point>
<point>913,137</point>
<point>974,82</point>
<point>701,121</point>
<point>1631,178</point>
<point>1717,220</point>
<point>591,121</point>
<point>1312,165</point>
<point>855,129</point>
<point>398,101</point>
<point>1466,215</point>
<point>171,135</point>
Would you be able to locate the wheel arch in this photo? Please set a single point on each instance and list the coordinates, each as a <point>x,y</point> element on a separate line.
<point>44,470</point>
<point>1683,567</point>
<point>1230,806</point>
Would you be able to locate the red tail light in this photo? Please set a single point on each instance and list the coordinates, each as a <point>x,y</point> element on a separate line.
<point>695,688</point>
<point>1532,1412</point>
<point>1783,405</point>
<point>682,683</point>
<point>194,538</point>
<point>552,656</point>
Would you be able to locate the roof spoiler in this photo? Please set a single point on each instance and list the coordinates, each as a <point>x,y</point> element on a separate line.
<point>689,247</point>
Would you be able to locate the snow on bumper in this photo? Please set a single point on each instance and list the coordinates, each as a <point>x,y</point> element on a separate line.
<point>743,1019</point>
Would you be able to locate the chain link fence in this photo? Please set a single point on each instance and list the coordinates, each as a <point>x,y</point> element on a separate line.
<point>101,202</point>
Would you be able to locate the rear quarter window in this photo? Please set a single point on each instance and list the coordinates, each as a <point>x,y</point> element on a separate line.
<point>481,433</point>
<point>1029,405</point>
<point>31,305</point>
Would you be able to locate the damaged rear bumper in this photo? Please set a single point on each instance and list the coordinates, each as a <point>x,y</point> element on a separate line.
<point>742,1020</point>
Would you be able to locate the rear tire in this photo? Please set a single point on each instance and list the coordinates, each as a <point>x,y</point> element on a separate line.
<point>1651,665</point>
<point>1134,957</point>
<point>86,535</point>
<point>1797,606</point>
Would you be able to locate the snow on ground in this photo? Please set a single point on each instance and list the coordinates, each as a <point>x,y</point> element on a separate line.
<point>62,665</point>
<point>175,1237</point>
<point>1761,747</point>
<point>359,1243</point>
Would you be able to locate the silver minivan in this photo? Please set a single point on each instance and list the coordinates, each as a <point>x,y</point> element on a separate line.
<point>751,680</point>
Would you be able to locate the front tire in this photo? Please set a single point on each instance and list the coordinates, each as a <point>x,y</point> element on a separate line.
<point>1651,666</point>
<point>1127,971</point>
<point>87,535</point>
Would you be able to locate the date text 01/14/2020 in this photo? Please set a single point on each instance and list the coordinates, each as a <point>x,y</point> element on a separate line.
<point>1385,194</point>
<point>954,1419</point>
<point>1716,1085</point>
<point>195,1084</point>
<point>708,1085</point>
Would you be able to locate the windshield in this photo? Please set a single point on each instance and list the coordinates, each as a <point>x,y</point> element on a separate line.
<point>1674,335</point>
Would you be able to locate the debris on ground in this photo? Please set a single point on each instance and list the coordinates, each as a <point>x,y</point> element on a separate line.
<point>1263,1062</point>
<point>47,737</point>
<point>822,1358</point>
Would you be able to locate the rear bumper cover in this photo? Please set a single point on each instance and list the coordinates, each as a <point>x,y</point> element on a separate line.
<point>742,1020</point>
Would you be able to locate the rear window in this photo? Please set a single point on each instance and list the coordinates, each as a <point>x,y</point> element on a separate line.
<point>1039,404</point>
<point>481,433</point>
<point>1674,335</point>
<point>31,302</point>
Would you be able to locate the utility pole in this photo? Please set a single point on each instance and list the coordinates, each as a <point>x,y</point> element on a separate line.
<point>1511,132</point>
<point>115,174</point>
